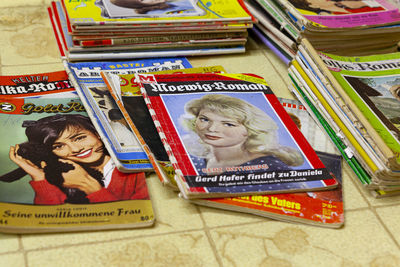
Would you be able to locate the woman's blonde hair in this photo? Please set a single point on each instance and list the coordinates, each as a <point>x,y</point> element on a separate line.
<point>261,129</point>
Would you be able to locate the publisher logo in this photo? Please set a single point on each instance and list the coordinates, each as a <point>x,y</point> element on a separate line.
<point>148,78</point>
<point>7,107</point>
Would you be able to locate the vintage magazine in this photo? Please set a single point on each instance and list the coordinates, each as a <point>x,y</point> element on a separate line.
<point>333,112</point>
<point>377,189</point>
<point>365,155</point>
<point>56,174</point>
<point>381,159</point>
<point>119,138</point>
<point>358,146</point>
<point>372,85</point>
<point>228,135</point>
<point>95,12</point>
<point>126,93</point>
<point>323,208</point>
<point>342,14</point>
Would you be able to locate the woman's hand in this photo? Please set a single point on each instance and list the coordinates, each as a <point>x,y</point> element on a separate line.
<point>36,173</point>
<point>80,179</point>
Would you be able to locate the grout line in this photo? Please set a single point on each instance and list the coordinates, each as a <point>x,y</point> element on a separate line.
<point>133,237</point>
<point>21,248</point>
<point>209,237</point>
<point>373,208</point>
<point>385,227</point>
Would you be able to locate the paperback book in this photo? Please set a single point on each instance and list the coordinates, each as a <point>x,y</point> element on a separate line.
<point>56,174</point>
<point>324,208</point>
<point>118,137</point>
<point>228,135</point>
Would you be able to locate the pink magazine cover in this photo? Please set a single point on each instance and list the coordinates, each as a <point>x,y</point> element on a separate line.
<point>345,14</point>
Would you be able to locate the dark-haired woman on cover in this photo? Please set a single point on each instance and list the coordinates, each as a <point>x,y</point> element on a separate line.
<point>73,141</point>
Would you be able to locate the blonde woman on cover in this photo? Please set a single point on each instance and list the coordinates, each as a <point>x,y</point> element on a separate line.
<point>232,133</point>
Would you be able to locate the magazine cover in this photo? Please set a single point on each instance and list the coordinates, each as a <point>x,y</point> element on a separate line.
<point>324,208</point>
<point>56,174</point>
<point>131,103</point>
<point>119,138</point>
<point>228,135</point>
<point>371,82</point>
<point>346,14</point>
<point>92,12</point>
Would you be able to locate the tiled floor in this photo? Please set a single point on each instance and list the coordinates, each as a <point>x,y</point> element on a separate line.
<point>187,235</point>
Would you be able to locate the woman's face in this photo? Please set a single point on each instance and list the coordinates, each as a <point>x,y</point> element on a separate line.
<point>219,131</point>
<point>79,145</point>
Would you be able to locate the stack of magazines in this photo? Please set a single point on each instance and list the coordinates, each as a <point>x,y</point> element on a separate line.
<point>225,141</point>
<point>344,28</point>
<point>118,29</point>
<point>357,100</point>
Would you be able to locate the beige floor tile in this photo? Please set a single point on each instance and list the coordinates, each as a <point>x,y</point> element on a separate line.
<point>253,61</point>
<point>27,37</point>
<point>172,215</point>
<point>280,67</point>
<point>352,198</point>
<point>28,69</point>
<point>283,244</point>
<point>8,243</point>
<point>12,260</point>
<point>190,249</point>
<point>214,217</point>
<point>391,217</point>
<point>24,3</point>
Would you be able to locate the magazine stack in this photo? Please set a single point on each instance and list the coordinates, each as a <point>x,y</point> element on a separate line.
<point>231,144</point>
<point>357,101</point>
<point>120,29</point>
<point>346,28</point>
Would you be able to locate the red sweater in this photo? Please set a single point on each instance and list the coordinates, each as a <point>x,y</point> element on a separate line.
<point>123,186</point>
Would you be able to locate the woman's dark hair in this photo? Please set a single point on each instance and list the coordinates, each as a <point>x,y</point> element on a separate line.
<point>46,130</point>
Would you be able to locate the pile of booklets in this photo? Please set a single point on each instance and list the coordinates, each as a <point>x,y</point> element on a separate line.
<point>266,167</point>
<point>344,28</point>
<point>218,139</point>
<point>357,100</point>
<point>120,29</point>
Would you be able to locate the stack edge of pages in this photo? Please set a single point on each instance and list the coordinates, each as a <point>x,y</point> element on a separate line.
<point>111,30</point>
